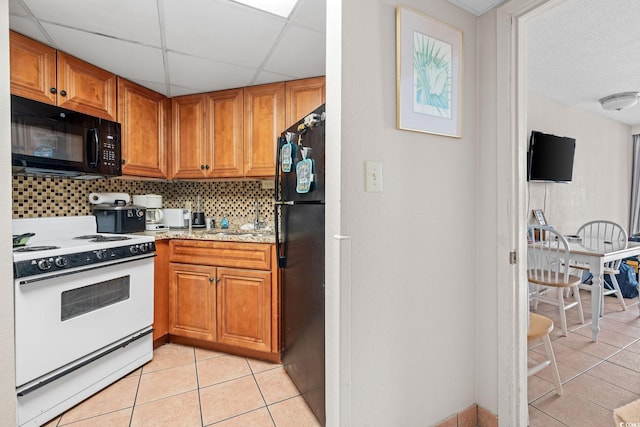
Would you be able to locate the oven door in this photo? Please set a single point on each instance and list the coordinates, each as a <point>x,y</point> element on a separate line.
<point>64,317</point>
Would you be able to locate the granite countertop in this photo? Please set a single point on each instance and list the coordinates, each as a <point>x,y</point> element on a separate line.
<point>228,235</point>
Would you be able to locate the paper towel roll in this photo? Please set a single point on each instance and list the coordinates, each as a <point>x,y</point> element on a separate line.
<point>98,198</point>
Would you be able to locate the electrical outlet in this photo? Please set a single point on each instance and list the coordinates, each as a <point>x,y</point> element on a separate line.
<point>373,177</point>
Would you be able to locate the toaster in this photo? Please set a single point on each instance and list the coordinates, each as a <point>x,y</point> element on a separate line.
<point>119,218</point>
<point>176,218</point>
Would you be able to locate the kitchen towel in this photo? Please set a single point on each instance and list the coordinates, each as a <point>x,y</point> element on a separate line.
<point>99,198</point>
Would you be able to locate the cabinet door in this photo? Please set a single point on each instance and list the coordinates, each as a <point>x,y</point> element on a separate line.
<point>302,97</point>
<point>263,122</point>
<point>188,142</point>
<point>192,294</point>
<point>224,114</point>
<point>143,116</point>
<point>244,308</point>
<point>86,88</point>
<point>33,69</point>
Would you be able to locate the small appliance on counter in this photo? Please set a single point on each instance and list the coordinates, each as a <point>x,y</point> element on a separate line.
<point>198,214</point>
<point>119,218</point>
<point>154,214</point>
<point>176,218</point>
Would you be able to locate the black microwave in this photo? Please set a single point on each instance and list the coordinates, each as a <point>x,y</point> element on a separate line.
<point>49,140</point>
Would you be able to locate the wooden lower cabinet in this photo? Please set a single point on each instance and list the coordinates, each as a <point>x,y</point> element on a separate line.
<point>192,300</point>
<point>224,295</point>
<point>244,308</point>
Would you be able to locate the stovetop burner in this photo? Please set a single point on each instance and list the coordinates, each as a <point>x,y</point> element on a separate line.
<point>35,248</point>
<point>101,238</point>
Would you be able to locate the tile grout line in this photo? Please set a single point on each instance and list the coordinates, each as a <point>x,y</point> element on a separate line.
<point>135,398</point>
<point>195,364</point>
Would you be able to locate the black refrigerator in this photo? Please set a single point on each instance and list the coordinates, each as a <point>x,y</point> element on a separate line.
<point>299,225</point>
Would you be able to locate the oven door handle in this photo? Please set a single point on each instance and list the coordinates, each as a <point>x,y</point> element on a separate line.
<point>82,270</point>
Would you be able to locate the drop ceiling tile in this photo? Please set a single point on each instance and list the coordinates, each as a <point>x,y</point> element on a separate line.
<point>220,30</point>
<point>125,19</point>
<point>210,75</point>
<point>311,14</point>
<point>155,86</point>
<point>268,77</point>
<point>27,27</point>
<point>133,61</point>
<point>16,8</point>
<point>286,58</point>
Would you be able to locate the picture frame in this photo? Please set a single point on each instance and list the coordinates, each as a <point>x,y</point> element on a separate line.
<point>429,71</point>
<point>538,215</point>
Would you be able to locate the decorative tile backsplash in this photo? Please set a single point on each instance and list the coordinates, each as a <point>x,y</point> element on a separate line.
<point>43,197</point>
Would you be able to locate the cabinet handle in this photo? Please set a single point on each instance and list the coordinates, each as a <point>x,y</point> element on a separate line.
<point>53,90</point>
<point>206,167</point>
<point>202,167</point>
<point>210,279</point>
<point>63,93</point>
<point>217,280</point>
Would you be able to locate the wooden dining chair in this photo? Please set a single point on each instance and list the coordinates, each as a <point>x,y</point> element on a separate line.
<point>548,263</point>
<point>600,235</point>
<point>540,328</point>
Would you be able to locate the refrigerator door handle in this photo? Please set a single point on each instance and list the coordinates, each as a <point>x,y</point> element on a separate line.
<point>284,202</point>
<point>282,259</point>
<point>281,245</point>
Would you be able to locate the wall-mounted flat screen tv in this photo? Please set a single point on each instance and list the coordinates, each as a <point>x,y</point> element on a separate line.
<point>550,157</point>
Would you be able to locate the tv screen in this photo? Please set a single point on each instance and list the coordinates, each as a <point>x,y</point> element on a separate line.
<point>550,157</point>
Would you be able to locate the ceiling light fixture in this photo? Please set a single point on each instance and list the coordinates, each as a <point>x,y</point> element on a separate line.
<point>277,7</point>
<point>619,101</point>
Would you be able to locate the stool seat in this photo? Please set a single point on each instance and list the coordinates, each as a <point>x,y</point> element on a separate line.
<point>539,326</point>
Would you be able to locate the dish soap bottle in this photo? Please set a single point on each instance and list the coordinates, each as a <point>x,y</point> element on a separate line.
<point>224,222</point>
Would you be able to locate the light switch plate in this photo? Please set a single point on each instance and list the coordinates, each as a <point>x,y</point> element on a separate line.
<point>373,177</point>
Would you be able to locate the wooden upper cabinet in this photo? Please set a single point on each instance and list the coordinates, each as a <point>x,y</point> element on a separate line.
<point>189,151</point>
<point>224,132</point>
<point>302,97</point>
<point>41,73</point>
<point>86,88</point>
<point>33,69</point>
<point>142,114</point>
<point>263,122</point>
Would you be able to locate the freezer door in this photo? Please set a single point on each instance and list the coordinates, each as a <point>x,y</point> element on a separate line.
<point>303,302</point>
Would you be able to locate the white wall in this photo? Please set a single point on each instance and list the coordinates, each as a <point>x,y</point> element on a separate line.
<point>7,388</point>
<point>601,186</point>
<point>412,283</point>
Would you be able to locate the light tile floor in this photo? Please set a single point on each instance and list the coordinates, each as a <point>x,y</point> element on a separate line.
<point>596,377</point>
<point>184,386</point>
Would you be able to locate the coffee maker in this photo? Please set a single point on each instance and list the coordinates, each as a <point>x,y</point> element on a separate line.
<point>153,203</point>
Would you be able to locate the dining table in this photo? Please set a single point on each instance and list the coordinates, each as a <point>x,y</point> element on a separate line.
<point>595,253</point>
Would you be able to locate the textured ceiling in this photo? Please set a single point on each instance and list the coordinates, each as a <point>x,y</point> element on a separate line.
<point>477,7</point>
<point>181,47</point>
<point>583,50</point>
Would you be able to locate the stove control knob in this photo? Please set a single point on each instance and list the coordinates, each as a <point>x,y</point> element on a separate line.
<point>101,254</point>
<point>44,264</point>
<point>61,261</point>
<point>140,213</point>
<point>144,248</point>
<point>133,249</point>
